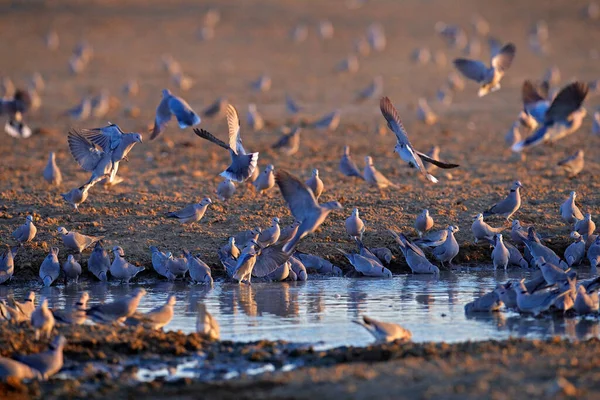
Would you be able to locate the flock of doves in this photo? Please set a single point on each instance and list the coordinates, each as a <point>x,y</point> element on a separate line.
<point>271,254</point>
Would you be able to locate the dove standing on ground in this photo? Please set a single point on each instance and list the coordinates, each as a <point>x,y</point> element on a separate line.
<point>446,252</point>
<point>372,91</point>
<point>76,241</point>
<point>191,213</point>
<point>415,258</point>
<point>384,331</point>
<point>42,320</point>
<point>403,147</point>
<point>48,362</point>
<point>266,180</point>
<point>488,77</point>
<point>242,165</point>
<point>230,249</point>
<point>206,325</point>
<point>348,64</point>
<point>355,226</point>
<point>81,111</point>
<point>76,196</point>
<point>26,232</point>
<point>507,207</point>
<point>100,104</point>
<point>51,172</point>
<point>291,106</point>
<point>172,105</point>
<point>500,254</point>
<point>289,143</point>
<point>99,262</point>
<point>424,113</point>
<point>270,236</point>
<point>225,190</point>
<point>348,166</point>
<point>121,269</point>
<point>315,183</point>
<point>593,254</point>
<point>262,83</point>
<point>330,121</point>
<point>586,303</point>
<point>374,177</point>
<point>573,164</point>
<point>303,205</point>
<point>117,310</point>
<point>288,232</point>
<point>569,211</point>
<point>199,271</point>
<point>482,231</point>
<point>50,268</point>
<point>575,252</point>
<point>216,109</point>
<point>155,318</point>
<point>423,223</point>
<point>383,254</point>
<point>586,226</point>
<point>255,120</point>
<point>71,268</point>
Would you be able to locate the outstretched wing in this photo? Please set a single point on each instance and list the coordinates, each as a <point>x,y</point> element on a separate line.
<point>233,125</point>
<point>441,164</point>
<point>107,137</point>
<point>474,70</point>
<point>163,116</point>
<point>211,138</point>
<point>299,197</point>
<point>84,151</point>
<point>503,60</point>
<point>390,114</point>
<point>568,100</point>
<point>270,259</point>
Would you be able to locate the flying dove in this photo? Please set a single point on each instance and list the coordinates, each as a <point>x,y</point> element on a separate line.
<point>255,120</point>
<point>403,147</point>
<point>385,331</point>
<point>424,113</point>
<point>261,84</point>
<point>376,37</point>
<point>155,318</point>
<point>266,180</point>
<point>573,164</point>
<point>349,64</point>
<point>519,233</point>
<point>415,258</point>
<point>303,206</point>
<point>329,122</point>
<point>507,207</point>
<point>449,249</point>
<point>75,316</point>
<point>76,241</point>
<point>593,253</point>
<point>172,105</point>
<point>535,104</point>
<point>216,109</point>
<point>199,271</point>
<point>563,117</point>
<point>291,106</point>
<point>289,143</point>
<point>242,164</point>
<point>372,91</point>
<point>575,252</point>
<point>586,226</point>
<point>99,262</point>
<point>191,213</point>
<point>48,362</point>
<point>7,264</point>
<point>270,236</point>
<point>281,273</point>
<point>454,35</point>
<point>374,177</point>
<point>569,211</point>
<point>122,270</point>
<point>42,320</point>
<point>482,231</point>
<point>50,268</point>
<point>100,105</point>
<point>348,166</point>
<point>71,268</point>
<point>500,254</point>
<point>26,232</point>
<point>586,303</point>
<point>315,183</point>
<point>535,303</point>
<point>318,264</point>
<point>51,172</point>
<point>355,226</point>
<point>206,325</point>
<point>76,196</point>
<point>225,190</point>
<point>488,77</point>
<point>423,223</point>
<point>117,310</point>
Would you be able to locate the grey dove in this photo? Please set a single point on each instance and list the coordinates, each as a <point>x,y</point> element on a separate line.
<point>329,122</point>
<point>507,295</point>
<point>48,362</point>
<point>500,254</point>
<point>159,261</point>
<point>99,262</point>
<point>100,104</point>
<point>487,303</point>
<point>206,324</point>
<point>515,257</point>
<point>230,249</point>
<point>7,264</point>
<point>192,213</point>
<point>81,111</point>
<point>255,120</point>
<point>449,249</point>
<point>383,254</point>
<point>424,113</point>
<point>76,241</point>
<point>199,271</point>
<point>75,316</point>
<point>42,320</point>
<point>510,205</point>
<point>177,267</point>
<point>586,303</point>
<point>318,264</point>
<point>432,238</point>
<point>586,226</point>
<point>374,177</point>
<point>355,226</point>
<point>575,252</point>
<point>16,370</point>
<point>415,258</point>
<point>569,211</point>
<point>535,303</point>
<point>291,106</point>
<point>217,108</point>
<point>51,172</point>
<point>76,196</point>
<point>348,64</point>
<point>289,143</point>
<point>169,106</point>
<point>593,253</point>
<point>266,180</point>
<point>348,166</point>
<point>262,83</point>
<point>367,266</point>
<point>372,91</point>
<point>315,183</point>
<point>537,249</point>
<point>551,273</point>
<point>225,190</point>
<point>71,269</point>
<point>270,236</point>
<point>482,231</point>
<point>26,232</point>
<point>122,270</point>
<point>118,310</point>
<point>384,331</point>
<point>155,318</point>
<point>423,223</point>
<point>573,164</point>
<point>50,268</point>
<point>299,269</point>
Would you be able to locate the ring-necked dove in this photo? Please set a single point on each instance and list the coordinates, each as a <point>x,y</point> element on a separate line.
<point>26,232</point>
<point>507,207</point>
<point>535,104</point>
<point>432,239</point>
<point>242,165</point>
<point>288,232</point>
<point>299,269</point>
<point>117,310</point>
<point>271,235</point>
<point>99,262</point>
<point>586,303</point>
<point>347,165</point>
<point>16,370</point>
<point>50,268</point>
<point>537,249</point>
<point>318,264</point>
<point>266,180</point>
<point>291,106</point>
<point>42,320</point>
<point>488,77</point>
<point>367,266</point>
<point>384,331</point>
<point>403,147</point>
<point>424,113</point>
<point>535,303</point>
<point>303,206</point>
<point>383,254</point>
<point>71,268</point>
<point>76,196</point>
<point>325,29</point>
<point>315,183</point>
<point>172,105</point>
<point>374,177</point>
<point>289,143</point>
<point>225,190</point>
<point>255,120</point>
<point>376,37</point>
<point>446,252</point>
<point>489,302</point>
<point>586,226</point>
<point>573,164</point>
<point>329,122</point>
<point>159,261</point>
<point>245,263</point>
<point>593,253</point>
<point>482,231</point>
<point>100,104</point>
<point>183,81</point>
<point>575,252</point>
<point>423,223</point>
<point>562,118</point>
<point>349,64</point>
<point>206,325</point>
<point>230,249</point>
<point>82,110</point>
<point>507,295</point>
<point>199,271</point>
<point>500,254</point>
<point>51,172</point>
<point>76,241</point>
<point>552,274</point>
<point>355,226</point>
<point>569,211</point>
<point>48,362</point>
<point>155,318</point>
<point>262,83</point>
<point>21,311</point>
<point>191,213</point>
<point>415,258</point>
<point>121,269</point>
<point>515,257</point>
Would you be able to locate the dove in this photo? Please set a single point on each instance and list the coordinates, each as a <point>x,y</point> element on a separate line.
<point>318,264</point>
<point>100,105</point>
<point>500,254</point>
<point>383,254</point>
<point>361,48</point>
<point>290,105</point>
<point>261,84</point>
<point>489,302</point>
<point>172,105</point>
<point>403,147</point>
<point>575,252</point>
<point>75,316</point>
<point>513,135</point>
<point>537,249</point>
<point>325,29</point>
<point>432,239</point>
<point>50,268</point>
<point>518,233</point>
<point>303,205</point>
<point>51,172</point>
<point>242,164</point>
<point>7,264</point>
<point>199,271</point>
<point>384,332</point>
<point>448,249</point>
<point>183,81</point>
<point>535,104</point>
<point>593,254</point>
<point>225,190</point>
<point>315,183</point>
<point>131,88</point>
<point>515,257</point>
<point>71,268</point>
<point>77,65</point>
<point>367,266</point>
<point>191,213</point>
<point>230,249</point>
<point>507,295</point>
<point>52,40</point>
<point>271,235</point>
<point>245,263</point>
<point>535,303</point>
<point>328,122</point>
<point>348,166</point>
<point>288,232</point>
<point>281,274</point>
<point>488,77</point>
<point>349,64</point>
<point>569,211</point>
<point>444,96</point>
<point>11,369</point>
<point>289,143</point>
<point>155,318</point>
<point>217,108</point>
<point>374,177</point>
<point>424,113</point>
<point>372,91</point>
<point>585,303</point>
<point>76,241</point>
<point>573,164</point>
<point>423,223</point>
<point>20,311</point>
<point>48,362</point>
<point>242,238</point>
<point>551,273</point>
<point>82,111</point>
<point>26,232</point>
<point>206,325</point>
<point>76,196</point>
<point>118,310</point>
<point>482,231</point>
<point>415,258</point>
<point>298,268</point>
<point>421,55</point>
<point>255,120</point>
<point>586,226</point>
<point>596,123</point>
<point>159,261</point>
<point>42,320</point>
<point>266,180</point>
<point>122,270</point>
<point>99,262</point>
<point>355,226</point>
<point>562,118</point>
<point>376,37</point>
<point>510,205</point>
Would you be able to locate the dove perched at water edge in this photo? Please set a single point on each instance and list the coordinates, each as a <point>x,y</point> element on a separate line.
<point>99,262</point>
<point>537,249</point>
<point>191,213</point>
<point>423,223</point>
<point>118,310</point>
<point>199,271</point>
<point>315,183</point>
<point>510,205</point>
<point>50,268</point>
<point>100,105</point>
<point>415,258</point>
<point>122,270</point>
<point>230,249</point>
<point>348,166</point>
<point>299,269</point>
<point>573,164</point>
<point>26,232</point>
<point>367,266</point>
<point>245,263</point>
<point>355,226</point>
<point>266,180</point>
<point>159,261</point>
<point>225,190</point>
<point>7,264</point>
<point>262,83</point>
<point>206,325</point>
<point>76,315</point>
<point>482,231</point>
<point>575,252</point>
<point>489,302</point>
<point>586,226</point>
<point>569,211</point>
<point>384,331</point>
<point>42,320</point>
<point>51,172</point>
<point>76,241</point>
<point>155,318</point>
<point>71,268</point>
<point>270,236</point>
<point>593,253</point>
<point>172,105</point>
<point>500,254</point>
<point>449,249</point>
<point>289,143</point>
<point>374,177</point>
<point>535,303</point>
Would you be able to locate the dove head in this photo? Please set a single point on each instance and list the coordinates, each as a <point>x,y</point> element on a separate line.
<point>270,168</point>
<point>588,217</point>
<point>232,241</point>
<point>137,138</point>
<point>479,217</point>
<point>62,230</point>
<point>426,213</point>
<point>315,172</point>
<point>275,221</point>
<point>118,251</point>
<point>29,218</point>
<point>256,231</point>
<point>171,300</point>
<point>70,258</point>
<point>368,160</point>
<point>516,185</point>
<point>498,237</point>
<point>573,194</point>
<point>575,235</point>
<point>346,150</point>
<point>166,93</point>
<point>516,224</point>
<point>206,201</point>
<point>355,212</point>
<point>453,229</point>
